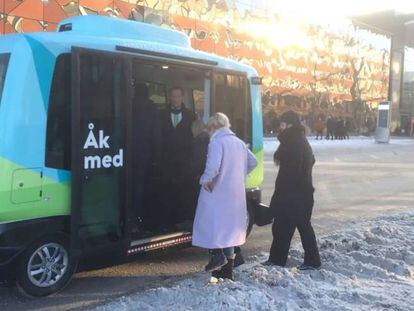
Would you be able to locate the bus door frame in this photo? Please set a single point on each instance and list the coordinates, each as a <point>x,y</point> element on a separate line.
<point>77,173</point>
<point>129,54</point>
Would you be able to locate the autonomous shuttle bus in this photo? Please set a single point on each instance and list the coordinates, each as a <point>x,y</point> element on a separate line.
<point>71,153</point>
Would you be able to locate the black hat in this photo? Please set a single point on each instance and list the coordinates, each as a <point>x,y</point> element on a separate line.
<point>290,117</point>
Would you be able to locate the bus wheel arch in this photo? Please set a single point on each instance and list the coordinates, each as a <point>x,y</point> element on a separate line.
<point>46,266</point>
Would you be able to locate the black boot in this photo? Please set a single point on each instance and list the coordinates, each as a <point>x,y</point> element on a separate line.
<point>218,274</point>
<point>238,260</point>
<point>217,260</point>
<point>227,270</point>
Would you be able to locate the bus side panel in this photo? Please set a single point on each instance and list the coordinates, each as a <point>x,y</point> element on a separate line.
<point>255,178</point>
<point>23,115</point>
<point>54,198</point>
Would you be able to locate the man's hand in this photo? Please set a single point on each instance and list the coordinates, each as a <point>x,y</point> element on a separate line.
<point>208,186</point>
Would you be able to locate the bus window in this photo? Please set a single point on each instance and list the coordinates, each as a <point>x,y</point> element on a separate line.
<point>232,99</point>
<point>147,74</point>
<point>159,78</point>
<point>157,94</point>
<point>4,62</point>
<point>58,136</point>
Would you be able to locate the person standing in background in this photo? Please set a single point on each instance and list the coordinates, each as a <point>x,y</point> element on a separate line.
<point>319,127</point>
<point>330,128</point>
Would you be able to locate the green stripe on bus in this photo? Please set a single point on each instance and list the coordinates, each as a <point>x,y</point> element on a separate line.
<point>54,200</point>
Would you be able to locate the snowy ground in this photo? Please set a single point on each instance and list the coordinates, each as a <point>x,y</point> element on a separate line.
<point>369,266</point>
<point>271,143</point>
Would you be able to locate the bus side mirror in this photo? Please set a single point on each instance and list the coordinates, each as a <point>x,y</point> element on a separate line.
<point>256,80</point>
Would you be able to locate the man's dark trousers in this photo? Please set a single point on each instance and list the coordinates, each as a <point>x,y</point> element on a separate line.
<point>290,216</point>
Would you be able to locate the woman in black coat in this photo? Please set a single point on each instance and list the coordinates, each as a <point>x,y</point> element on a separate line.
<point>197,162</point>
<point>292,201</point>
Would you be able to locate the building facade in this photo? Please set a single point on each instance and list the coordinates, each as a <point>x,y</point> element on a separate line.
<point>311,68</point>
<point>399,26</point>
<point>407,94</point>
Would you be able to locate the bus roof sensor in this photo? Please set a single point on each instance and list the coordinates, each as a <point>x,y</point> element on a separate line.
<point>65,27</point>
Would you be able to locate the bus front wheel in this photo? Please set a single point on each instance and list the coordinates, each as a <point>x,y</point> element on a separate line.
<point>45,267</point>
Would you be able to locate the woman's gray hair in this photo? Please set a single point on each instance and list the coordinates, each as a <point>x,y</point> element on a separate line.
<point>218,120</point>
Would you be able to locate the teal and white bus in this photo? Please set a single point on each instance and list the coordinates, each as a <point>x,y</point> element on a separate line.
<point>66,117</point>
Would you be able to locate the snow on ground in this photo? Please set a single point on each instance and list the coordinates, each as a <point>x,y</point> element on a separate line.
<point>271,143</point>
<point>370,266</point>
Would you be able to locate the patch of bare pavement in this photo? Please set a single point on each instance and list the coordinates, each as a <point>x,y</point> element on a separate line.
<point>353,181</point>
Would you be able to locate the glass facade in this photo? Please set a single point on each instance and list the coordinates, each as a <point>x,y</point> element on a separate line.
<point>407,98</point>
<point>408,79</point>
<point>314,68</point>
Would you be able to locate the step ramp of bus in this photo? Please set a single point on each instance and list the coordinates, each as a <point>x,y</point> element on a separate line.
<point>158,242</point>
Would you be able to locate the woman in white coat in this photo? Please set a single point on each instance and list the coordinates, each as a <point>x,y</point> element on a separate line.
<point>221,216</point>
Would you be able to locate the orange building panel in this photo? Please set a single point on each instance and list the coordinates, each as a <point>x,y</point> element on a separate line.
<point>51,26</point>
<point>22,25</point>
<point>7,5</point>
<point>186,25</point>
<point>205,36</point>
<point>70,7</point>
<point>53,12</point>
<point>101,7</point>
<point>2,23</point>
<point>223,46</point>
<point>30,9</point>
<point>8,28</point>
<point>123,8</point>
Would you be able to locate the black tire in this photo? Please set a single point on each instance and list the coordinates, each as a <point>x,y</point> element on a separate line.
<point>30,285</point>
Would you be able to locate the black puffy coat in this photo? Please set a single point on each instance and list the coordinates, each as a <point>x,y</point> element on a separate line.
<point>198,156</point>
<point>294,188</point>
<point>196,168</point>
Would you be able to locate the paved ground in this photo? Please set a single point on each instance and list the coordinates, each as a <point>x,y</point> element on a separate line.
<point>354,179</point>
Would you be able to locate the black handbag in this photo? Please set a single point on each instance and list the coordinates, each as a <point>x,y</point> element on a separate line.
<point>260,213</point>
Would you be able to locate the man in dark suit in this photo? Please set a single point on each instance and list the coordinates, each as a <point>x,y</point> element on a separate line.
<point>176,122</point>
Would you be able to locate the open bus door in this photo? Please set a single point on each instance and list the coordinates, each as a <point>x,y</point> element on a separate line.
<point>100,98</point>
